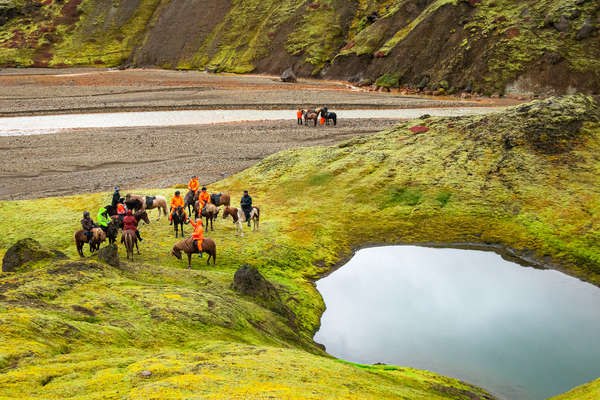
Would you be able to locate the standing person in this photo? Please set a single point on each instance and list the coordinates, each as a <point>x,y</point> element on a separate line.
<point>194,185</point>
<point>87,224</point>
<point>176,201</point>
<point>116,197</point>
<point>204,198</point>
<point>130,224</point>
<point>198,234</point>
<point>246,204</point>
<point>103,219</point>
<point>299,115</point>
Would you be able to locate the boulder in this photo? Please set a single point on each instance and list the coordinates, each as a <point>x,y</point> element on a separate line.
<point>288,76</point>
<point>109,255</point>
<point>248,281</point>
<point>586,30</point>
<point>562,25</point>
<point>25,251</point>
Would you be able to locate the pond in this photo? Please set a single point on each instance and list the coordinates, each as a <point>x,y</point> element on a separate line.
<point>519,332</point>
<point>45,124</point>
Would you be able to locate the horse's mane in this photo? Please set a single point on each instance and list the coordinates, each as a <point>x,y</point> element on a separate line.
<point>185,245</point>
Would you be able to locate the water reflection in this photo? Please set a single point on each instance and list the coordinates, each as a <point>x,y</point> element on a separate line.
<point>521,333</point>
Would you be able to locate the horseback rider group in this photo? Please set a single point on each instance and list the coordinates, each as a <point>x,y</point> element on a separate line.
<point>130,222</point>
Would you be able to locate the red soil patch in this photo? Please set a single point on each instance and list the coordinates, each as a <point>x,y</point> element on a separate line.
<point>418,129</point>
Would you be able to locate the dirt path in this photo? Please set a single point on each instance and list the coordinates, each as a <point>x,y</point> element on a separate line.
<point>92,160</point>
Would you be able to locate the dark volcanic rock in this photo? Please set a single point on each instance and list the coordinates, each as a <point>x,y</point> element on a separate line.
<point>24,251</point>
<point>289,76</point>
<point>248,281</point>
<point>109,255</point>
<point>586,30</point>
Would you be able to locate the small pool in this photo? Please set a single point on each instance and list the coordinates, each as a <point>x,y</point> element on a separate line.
<point>520,333</point>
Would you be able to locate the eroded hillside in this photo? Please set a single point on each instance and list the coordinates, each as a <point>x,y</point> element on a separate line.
<point>486,46</point>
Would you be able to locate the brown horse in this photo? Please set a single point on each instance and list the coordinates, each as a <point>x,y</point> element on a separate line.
<point>189,247</point>
<point>140,215</point>
<point>130,239</point>
<point>239,216</point>
<point>210,212</point>
<point>98,236</point>
<point>311,114</point>
<point>147,203</point>
<point>220,199</point>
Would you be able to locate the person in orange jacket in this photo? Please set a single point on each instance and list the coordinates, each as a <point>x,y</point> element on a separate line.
<point>176,201</point>
<point>198,234</point>
<point>194,185</point>
<point>204,198</point>
<point>299,115</point>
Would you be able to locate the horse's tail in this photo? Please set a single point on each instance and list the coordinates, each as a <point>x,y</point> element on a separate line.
<point>334,119</point>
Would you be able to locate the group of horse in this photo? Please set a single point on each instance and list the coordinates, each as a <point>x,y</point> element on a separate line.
<point>314,116</point>
<point>140,204</point>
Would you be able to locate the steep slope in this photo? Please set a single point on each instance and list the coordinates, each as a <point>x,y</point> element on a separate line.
<point>501,46</point>
<point>525,179</point>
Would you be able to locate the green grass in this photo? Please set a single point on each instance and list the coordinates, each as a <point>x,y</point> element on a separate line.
<point>524,178</point>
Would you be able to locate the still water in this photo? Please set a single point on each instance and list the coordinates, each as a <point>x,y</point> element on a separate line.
<point>520,333</point>
<point>46,124</point>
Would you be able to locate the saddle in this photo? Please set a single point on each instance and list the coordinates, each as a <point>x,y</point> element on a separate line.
<point>215,198</point>
<point>150,201</point>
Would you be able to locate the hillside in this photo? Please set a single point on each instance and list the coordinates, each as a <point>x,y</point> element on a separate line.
<point>525,179</point>
<point>484,46</point>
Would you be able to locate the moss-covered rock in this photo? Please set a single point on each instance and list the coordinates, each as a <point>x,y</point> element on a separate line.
<point>26,251</point>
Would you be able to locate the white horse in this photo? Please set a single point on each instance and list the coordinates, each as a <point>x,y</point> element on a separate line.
<point>239,217</point>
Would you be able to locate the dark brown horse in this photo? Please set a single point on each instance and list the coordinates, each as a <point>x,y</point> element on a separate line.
<point>189,247</point>
<point>179,219</point>
<point>220,199</point>
<point>140,215</point>
<point>189,200</point>
<point>98,236</point>
<point>112,229</point>
<point>130,240</point>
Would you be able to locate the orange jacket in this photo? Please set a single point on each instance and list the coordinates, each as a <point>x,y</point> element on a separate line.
<point>198,231</point>
<point>177,201</point>
<point>299,114</point>
<point>121,209</point>
<point>204,198</point>
<point>194,185</point>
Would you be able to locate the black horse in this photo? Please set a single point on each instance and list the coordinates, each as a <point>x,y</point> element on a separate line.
<point>329,116</point>
<point>179,218</point>
<point>112,230</point>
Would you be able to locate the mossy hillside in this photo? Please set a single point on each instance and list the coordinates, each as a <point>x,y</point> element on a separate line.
<point>524,178</point>
<point>589,391</point>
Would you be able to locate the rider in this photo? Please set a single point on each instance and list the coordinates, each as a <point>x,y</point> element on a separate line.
<point>103,219</point>
<point>194,185</point>
<point>121,210</point>
<point>87,223</point>
<point>204,198</point>
<point>246,204</point>
<point>130,223</point>
<point>116,197</point>
<point>176,201</point>
<point>299,114</point>
<point>198,234</point>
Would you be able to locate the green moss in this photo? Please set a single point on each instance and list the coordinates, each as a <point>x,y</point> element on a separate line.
<point>388,81</point>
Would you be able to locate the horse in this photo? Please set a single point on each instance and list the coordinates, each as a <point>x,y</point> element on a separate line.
<point>311,114</point>
<point>220,199</point>
<point>112,229</point>
<point>130,239</point>
<point>140,215</point>
<point>189,200</point>
<point>239,216</point>
<point>189,247</point>
<point>329,116</point>
<point>178,220</point>
<point>147,203</point>
<point>210,212</point>
<point>98,236</point>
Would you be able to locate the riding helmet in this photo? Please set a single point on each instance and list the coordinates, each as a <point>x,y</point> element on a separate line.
<point>116,188</point>
<point>177,192</point>
<point>203,188</point>
<point>86,214</point>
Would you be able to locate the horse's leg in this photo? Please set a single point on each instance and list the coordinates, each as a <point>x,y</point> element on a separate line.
<point>136,247</point>
<point>189,260</point>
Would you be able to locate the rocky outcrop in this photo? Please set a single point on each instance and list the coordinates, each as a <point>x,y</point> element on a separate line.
<point>289,76</point>
<point>26,251</point>
<point>249,282</point>
<point>109,255</point>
